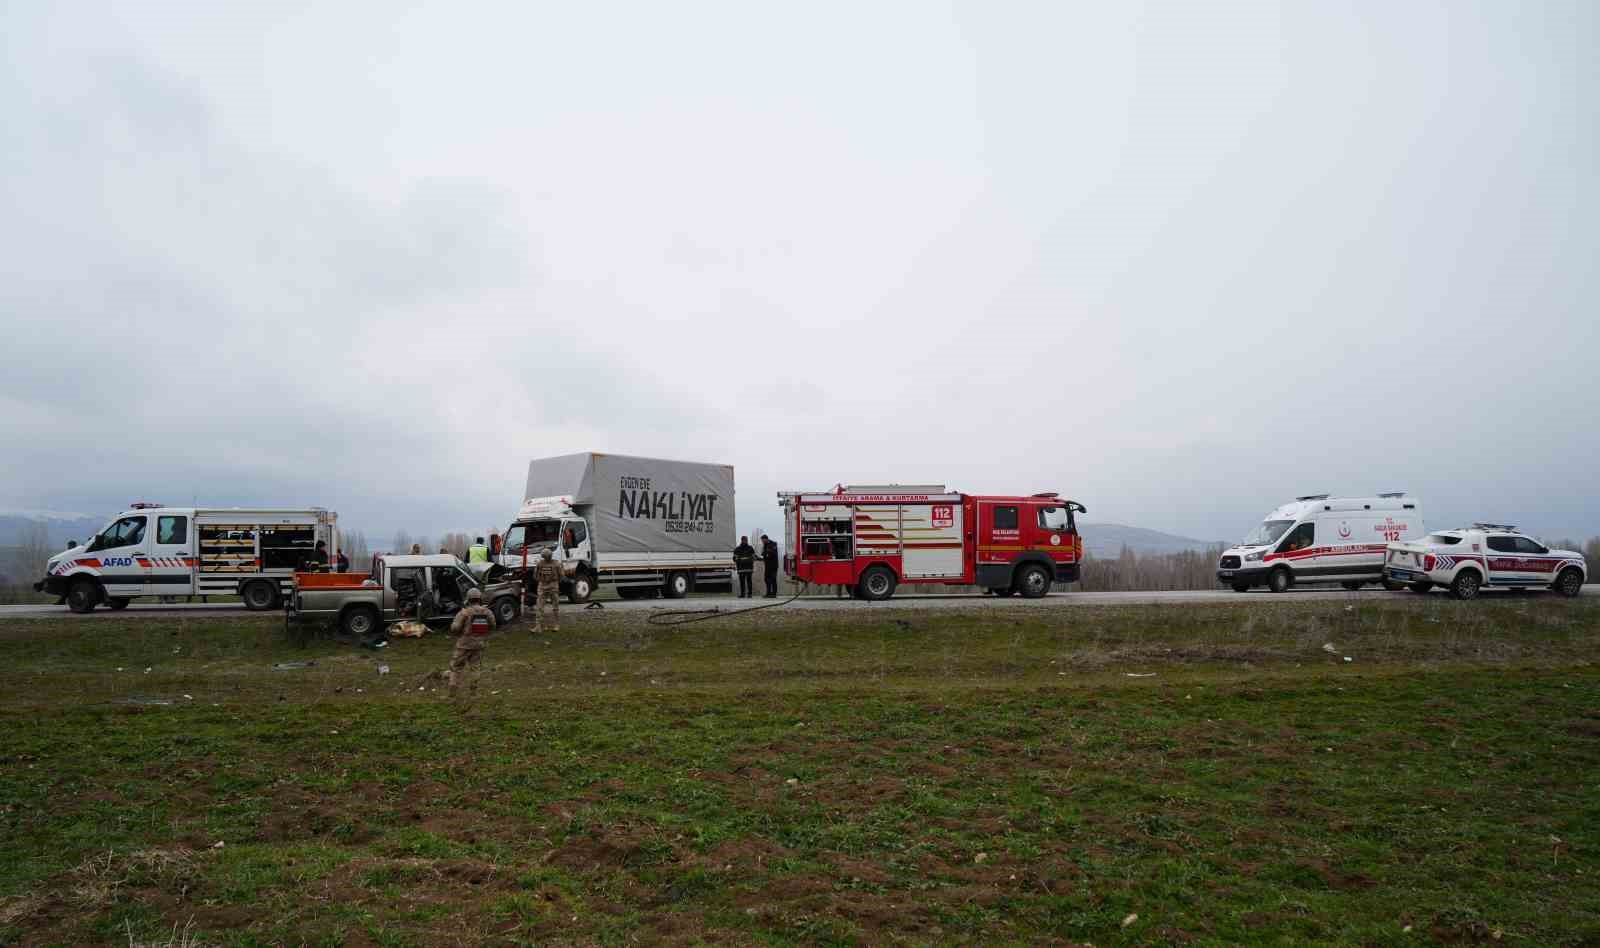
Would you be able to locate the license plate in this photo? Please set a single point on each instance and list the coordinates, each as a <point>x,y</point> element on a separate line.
<point>1227,572</point>
<point>1400,573</point>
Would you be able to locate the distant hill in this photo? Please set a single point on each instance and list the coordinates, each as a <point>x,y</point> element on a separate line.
<point>61,527</point>
<point>1105,540</point>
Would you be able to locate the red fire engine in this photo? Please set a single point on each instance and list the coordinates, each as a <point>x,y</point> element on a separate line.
<point>873,538</point>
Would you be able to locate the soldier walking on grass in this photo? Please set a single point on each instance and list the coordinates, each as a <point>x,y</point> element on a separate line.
<point>547,576</point>
<point>471,627</point>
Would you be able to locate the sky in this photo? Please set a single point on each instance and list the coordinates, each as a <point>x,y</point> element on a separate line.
<point>1180,262</point>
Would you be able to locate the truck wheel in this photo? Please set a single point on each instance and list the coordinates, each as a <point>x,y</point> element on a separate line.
<point>877,583</point>
<point>83,595</point>
<point>581,588</point>
<point>1241,587</point>
<point>1466,585</point>
<point>259,596</point>
<point>1033,582</point>
<point>1420,586</point>
<point>505,610</point>
<point>1279,580</point>
<point>118,603</point>
<point>359,622</point>
<point>1570,582</point>
<point>676,586</point>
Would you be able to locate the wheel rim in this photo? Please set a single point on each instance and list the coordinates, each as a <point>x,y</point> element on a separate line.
<point>259,596</point>
<point>1469,587</point>
<point>1571,582</point>
<point>1036,582</point>
<point>877,584</point>
<point>680,585</point>
<point>80,595</point>
<point>361,623</point>
<point>581,587</point>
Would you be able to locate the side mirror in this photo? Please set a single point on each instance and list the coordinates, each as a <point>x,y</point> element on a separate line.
<point>71,544</point>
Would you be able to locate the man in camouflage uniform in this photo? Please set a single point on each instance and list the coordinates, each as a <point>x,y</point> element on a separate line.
<point>547,576</point>
<point>471,627</point>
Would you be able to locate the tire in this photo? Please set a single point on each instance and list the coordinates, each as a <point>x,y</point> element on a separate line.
<point>1002,591</point>
<point>1241,587</point>
<point>505,610</point>
<point>877,584</point>
<point>259,596</point>
<point>1393,586</point>
<point>1280,579</point>
<point>83,595</point>
<point>118,603</point>
<point>580,589</point>
<point>1420,586</point>
<point>1570,582</point>
<point>1466,585</point>
<point>360,622</point>
<point>676,586</point>
<point>1033,581</point>
<point>1351,586</point>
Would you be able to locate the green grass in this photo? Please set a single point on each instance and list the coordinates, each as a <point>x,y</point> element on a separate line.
<point>991,774</point>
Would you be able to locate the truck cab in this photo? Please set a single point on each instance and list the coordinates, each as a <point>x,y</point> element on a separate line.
<point>551,523</point>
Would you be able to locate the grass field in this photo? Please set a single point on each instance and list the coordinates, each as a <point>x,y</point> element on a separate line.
<point>994,774</point>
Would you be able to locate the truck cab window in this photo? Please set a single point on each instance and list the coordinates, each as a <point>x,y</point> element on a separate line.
<point>1503,544</point>
<point>172,529</point>
<point>125,532</point>
<point>577,532</point>
<point>1005,518</point>
<point>1299,538</point>
<point>1055,518</point>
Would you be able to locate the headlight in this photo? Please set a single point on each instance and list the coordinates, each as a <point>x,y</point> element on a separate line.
<point>1252,557</point>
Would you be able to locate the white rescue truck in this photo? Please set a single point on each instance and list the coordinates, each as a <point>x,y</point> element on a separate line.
<point>1322,539</point>
<point>151,550</point>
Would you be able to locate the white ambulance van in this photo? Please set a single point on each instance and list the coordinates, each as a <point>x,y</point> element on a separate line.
<point>1322,539</point>
<point>151,550</point>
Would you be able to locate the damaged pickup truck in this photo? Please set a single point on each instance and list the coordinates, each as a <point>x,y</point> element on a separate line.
<point>430,588</point>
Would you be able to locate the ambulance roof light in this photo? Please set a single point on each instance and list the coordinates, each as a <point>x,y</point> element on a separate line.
<point>1391,494</point>
<point>1313,497</point>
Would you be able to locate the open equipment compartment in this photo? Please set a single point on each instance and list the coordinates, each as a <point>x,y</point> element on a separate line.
<point>228,548</point>
<point>827,532</point>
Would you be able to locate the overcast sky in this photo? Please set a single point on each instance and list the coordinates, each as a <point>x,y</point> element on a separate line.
<point>1179,261</point>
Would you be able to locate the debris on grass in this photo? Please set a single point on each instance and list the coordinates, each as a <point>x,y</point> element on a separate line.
<point>284,666</point>
<point>981,858</point>
<point>1140,674</point>
<point>383,669</point>
<point>1132,917</point>
<point>1329,648</point>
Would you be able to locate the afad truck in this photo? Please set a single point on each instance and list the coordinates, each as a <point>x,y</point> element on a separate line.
<point>151,550</point>
<point>873,538</point>
<point>646,526</point>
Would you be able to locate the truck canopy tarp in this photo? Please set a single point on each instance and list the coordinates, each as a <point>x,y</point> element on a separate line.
<point>643,505</point>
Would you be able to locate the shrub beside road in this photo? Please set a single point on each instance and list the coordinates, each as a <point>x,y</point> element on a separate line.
<point>1130,774</point>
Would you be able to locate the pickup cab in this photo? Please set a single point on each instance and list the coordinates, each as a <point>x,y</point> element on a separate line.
<point>430,588</point>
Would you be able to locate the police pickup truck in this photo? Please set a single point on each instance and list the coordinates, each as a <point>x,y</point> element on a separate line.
<point>430,588</point>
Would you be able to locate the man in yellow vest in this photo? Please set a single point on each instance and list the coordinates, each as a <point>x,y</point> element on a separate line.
<point>478,552</point>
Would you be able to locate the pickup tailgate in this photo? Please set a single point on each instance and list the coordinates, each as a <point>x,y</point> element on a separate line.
<point>1405,556</point>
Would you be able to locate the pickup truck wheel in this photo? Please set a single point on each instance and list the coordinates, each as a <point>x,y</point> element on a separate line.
<point>1279,580</point>
<point>1420,586</point>
<point>83,595</point>
<point>1241,587</point>
<point>1570,582</point>
<point>580,590</point>
<point>118,603</point>
<point>1033,582</point>
<point>877,583</point>
<point>259,596</point>
<point>1466,585</point>
<point>359,622</point>
<point>505,610</point>
<point>676,586</point>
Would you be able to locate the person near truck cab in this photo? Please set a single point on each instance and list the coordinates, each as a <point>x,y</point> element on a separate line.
<point>471,626</point>
<point>478,552</point>
<point>317,560</point>
<point>769,565</point>
<point>547,576</point>
<point>744,560</point>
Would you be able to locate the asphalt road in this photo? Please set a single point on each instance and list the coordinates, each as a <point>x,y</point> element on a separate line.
<point>727,603</point>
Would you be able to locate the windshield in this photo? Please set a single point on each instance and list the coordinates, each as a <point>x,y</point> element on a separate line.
<point>1268,532</point>
<point>534,535</point>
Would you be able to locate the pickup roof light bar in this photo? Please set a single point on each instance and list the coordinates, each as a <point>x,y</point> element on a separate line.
<point>144,505</point>
<point>1502,527</point>
<point>1313,497</point>
<point>1391,494</point>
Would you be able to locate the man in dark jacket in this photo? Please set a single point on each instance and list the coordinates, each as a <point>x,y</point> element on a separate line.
<point>744,561</point>
<point>769,565</point>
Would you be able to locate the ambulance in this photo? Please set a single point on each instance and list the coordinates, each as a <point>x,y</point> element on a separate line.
<point>152,550</point>
<point>1322,539</point>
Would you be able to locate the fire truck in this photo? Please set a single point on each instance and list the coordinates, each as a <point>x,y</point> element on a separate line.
<point>872,538</point>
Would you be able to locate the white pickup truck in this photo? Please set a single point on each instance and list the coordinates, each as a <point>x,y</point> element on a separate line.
<point>1484,555</point>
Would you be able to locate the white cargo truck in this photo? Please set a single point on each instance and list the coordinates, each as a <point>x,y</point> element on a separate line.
<point>152,550</point>
<point>644,525</point>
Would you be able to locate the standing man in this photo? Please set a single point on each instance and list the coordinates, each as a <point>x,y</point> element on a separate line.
<point>744,560</point>
<point>344,562</point>
<point>317,562</point>
<point>471,627</point>
<point>547,576</point>
<point>478,552</point>
<point>769,565</point>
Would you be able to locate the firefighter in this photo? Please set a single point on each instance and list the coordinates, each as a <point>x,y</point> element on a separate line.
<point>547,576</point>
<point>478,552</point>
<point>317,562</point>
<point>769,565</point>
<point>744,560</point>
<point>471,627</point>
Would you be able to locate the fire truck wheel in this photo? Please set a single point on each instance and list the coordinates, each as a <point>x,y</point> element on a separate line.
<point>1033,582</point>
<point>1279,580</point>
<point>118,603</point>
<point>1002,591</point>
<point>877,583</point>
<point>259,596</point>
<point>1570,582</point>
<point>676,586</point>
<point>83,595</point>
